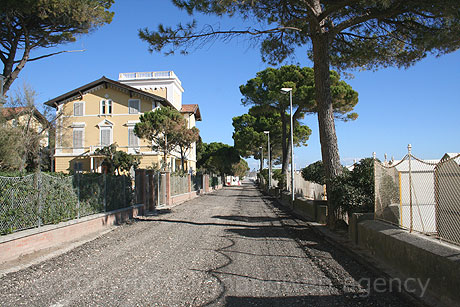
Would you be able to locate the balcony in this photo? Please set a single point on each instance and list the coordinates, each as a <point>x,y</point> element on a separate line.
<point>147,75</point>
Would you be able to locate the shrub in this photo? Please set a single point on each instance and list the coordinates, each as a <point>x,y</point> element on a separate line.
<point>277,175</point>
<point>264,174</point>
<point>314,173</point>
<point>354,191</point>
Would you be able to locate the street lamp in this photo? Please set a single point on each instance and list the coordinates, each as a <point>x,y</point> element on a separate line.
<point>269,162</point>
<point>286,90</point>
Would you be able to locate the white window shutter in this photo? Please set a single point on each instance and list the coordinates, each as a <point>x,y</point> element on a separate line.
<point>78,109</point>
<point>78,139</point>
<point>105,137</point>
<point>133,140</point>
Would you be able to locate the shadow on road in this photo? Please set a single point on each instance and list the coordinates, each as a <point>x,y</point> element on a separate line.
<point>274,222</point>
<point>249,219</point>
<point>282,301</point>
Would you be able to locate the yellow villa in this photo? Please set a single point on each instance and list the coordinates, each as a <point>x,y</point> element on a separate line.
<point>105,111</point>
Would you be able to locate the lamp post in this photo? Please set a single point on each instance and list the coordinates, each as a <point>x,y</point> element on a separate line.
<point>269,161</point>
<point>286,90</point>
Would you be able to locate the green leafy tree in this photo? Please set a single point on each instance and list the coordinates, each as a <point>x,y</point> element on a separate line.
<point>123,162</point>
<point>117,161</point>
<point>163,127</point>
<point>200,148</point>
<point>240,168</point>
<point>264,92</point>
<point>186,141</point>
<point>342,34</point>
<point>27,25</point>
<point>218,158</point>
<point>249,133</point>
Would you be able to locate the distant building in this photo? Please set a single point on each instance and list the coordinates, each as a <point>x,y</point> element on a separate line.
<point>28,118</point>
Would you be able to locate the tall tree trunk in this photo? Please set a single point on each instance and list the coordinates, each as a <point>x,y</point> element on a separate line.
<point>13,74</point>
<point>327,134</point>
<point>182,159</point>
<point>8,63</point>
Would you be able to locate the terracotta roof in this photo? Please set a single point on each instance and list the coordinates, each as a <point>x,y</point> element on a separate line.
<point>192,108</point>
<point>104,81</point>
<point>9,113</point>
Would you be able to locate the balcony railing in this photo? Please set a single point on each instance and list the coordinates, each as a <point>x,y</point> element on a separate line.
<point>146,75</point>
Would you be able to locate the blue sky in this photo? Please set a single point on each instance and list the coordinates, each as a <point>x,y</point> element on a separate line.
<point>419,105</point>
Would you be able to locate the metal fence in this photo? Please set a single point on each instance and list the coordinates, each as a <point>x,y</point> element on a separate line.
<point>162,189</point>
<point>179,184</point>
<point>197,182</point>
<point>214,180</point>
<point>41,199</point>
<point>420,195</point>
<point>155,189</point>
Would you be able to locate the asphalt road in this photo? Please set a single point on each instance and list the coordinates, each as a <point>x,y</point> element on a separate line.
<point>230,248</point>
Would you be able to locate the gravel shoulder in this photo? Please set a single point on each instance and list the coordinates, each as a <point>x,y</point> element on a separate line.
<point>233,247</point>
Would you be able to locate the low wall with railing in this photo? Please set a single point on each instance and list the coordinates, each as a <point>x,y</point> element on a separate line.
<point>29,241</point>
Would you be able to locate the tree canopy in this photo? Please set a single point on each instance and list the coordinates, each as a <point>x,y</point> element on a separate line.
<point>217,158</point>
<point>359,33</point>
<point>240,168</point>
<point>249,133</point>
<point>186,141</point>
<point>32,24</point>
<point>163,127</point>
<point>264,91</point>
<point>167,129</point>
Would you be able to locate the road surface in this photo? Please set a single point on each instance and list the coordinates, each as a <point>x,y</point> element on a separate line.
<point>233,247</point>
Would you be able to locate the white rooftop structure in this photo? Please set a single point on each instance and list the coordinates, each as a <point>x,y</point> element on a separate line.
<point>162,83</point>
